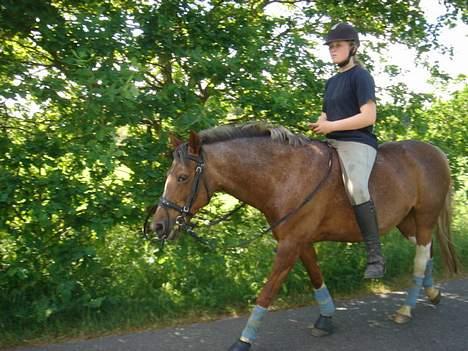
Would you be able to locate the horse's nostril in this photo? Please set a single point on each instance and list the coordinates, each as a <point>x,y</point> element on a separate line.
<point>159,228</point>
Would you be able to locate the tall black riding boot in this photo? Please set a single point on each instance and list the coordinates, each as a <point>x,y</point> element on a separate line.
<point>366,217</point>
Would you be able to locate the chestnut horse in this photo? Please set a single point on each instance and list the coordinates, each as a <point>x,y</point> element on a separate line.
<point>273,170</point>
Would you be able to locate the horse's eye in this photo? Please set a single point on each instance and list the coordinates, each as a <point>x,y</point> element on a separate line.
<point>182,178</point>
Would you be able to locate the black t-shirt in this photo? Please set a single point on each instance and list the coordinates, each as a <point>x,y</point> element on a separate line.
<point>345,93</point>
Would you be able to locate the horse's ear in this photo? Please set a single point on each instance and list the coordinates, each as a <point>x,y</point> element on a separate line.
<point>194,143</point>
<point>174,140</point>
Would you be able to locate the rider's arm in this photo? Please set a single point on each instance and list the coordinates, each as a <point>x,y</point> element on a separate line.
<point>365,118</point>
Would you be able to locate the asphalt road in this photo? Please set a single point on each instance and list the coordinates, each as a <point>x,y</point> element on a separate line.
<point>361,324</point>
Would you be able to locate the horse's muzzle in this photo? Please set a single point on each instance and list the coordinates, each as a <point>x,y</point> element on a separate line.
<point>165,230</point>
<point>159,228</point>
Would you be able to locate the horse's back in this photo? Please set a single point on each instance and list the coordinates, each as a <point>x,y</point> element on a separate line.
<point>417,157</point>
<point>409,175</point>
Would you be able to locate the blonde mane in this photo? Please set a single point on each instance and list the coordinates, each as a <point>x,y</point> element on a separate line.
<point>278,134</point>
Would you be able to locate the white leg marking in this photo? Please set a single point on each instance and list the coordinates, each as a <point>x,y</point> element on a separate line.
<point>423,254</point>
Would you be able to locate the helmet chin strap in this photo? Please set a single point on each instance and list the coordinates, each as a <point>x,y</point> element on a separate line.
<point>352,52</point>
<point>345,62</point>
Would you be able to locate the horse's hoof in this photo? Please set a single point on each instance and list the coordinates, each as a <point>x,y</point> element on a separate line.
<point>434,298</point>
<point>375,270</point>
<point>322,327</point>
<point>403,315</point>
<point>240,346</point>
<point>401,318</point>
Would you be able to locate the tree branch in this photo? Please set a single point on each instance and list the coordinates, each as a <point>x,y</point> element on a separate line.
<point>265,3</point>
<point>152,78</point>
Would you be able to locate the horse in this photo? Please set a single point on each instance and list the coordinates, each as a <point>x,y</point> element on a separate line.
<point>273,169</point>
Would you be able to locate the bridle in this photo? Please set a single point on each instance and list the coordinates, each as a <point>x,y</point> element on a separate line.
<point>186,210</point>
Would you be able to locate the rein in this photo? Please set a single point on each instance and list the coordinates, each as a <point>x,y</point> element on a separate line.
<point>185,211</point>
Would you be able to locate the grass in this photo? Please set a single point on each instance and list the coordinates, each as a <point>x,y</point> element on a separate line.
<point>187,284</point>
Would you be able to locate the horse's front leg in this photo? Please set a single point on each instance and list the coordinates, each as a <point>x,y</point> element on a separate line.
<point>323,326</point>
<point>286,256</point>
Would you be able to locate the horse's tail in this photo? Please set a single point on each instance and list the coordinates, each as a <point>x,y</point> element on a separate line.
<point>444,234</point>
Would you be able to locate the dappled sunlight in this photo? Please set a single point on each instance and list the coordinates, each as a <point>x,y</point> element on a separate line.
<point>455,297</point>
<point>380,288</point>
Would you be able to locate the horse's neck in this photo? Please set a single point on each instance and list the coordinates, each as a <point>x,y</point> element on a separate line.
<point>232,168</point>
<point>253,170</point>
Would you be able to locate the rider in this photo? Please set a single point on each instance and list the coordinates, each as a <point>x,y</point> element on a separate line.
<point>347,119</point>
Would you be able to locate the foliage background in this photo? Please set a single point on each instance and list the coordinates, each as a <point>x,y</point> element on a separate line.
<point>88,94</point>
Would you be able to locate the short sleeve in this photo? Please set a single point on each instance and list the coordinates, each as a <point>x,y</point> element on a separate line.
<point>365,87</point>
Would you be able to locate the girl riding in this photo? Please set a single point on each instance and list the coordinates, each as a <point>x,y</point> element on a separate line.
<point>347,119</point>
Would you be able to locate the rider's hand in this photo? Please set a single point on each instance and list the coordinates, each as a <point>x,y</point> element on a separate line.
<point>322,126</point>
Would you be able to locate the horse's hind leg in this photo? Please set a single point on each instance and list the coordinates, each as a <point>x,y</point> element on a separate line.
<point>422,276</point>
<point>432,293</point>
<point>408,228</point>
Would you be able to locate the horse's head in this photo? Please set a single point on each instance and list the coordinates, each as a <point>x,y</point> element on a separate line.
<point>185,191</point>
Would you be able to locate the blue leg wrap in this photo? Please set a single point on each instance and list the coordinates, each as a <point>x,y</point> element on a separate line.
<point>325,301</point>
<point>413,292</point>
<point>427,282</point>
<point>249,334</point>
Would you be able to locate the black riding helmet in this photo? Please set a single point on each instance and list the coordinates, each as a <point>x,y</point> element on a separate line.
<point>344,31</point>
